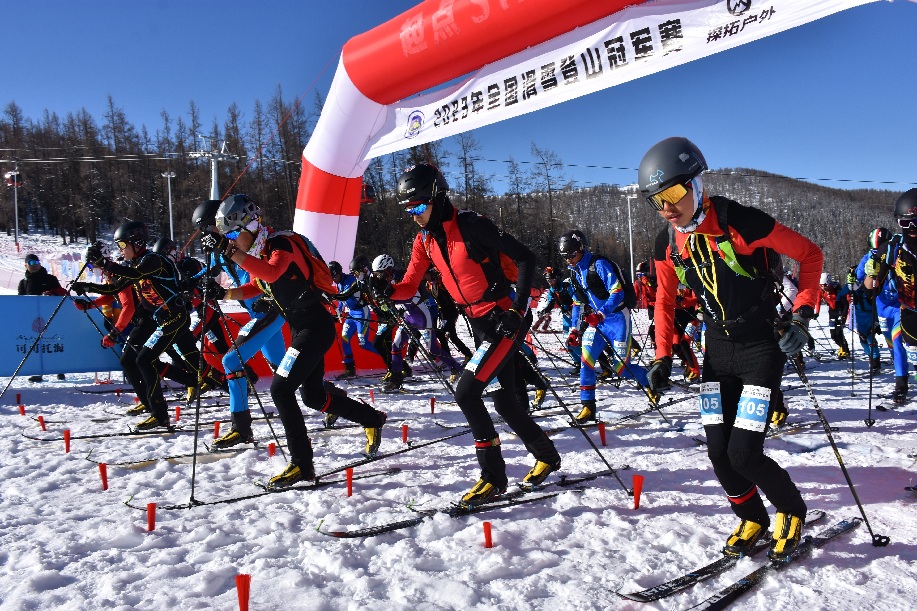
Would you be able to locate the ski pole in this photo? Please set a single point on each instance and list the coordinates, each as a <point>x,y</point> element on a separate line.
<point>877,540</point>
<point>873,349</point>
<point>42,332</point>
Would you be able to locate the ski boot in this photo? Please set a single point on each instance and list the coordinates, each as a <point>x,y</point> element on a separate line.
<point>153,423</point>
<point>454,375</point>
<point>330,419</point>
<point>691,375</point>
<point>241,432</point>
<point>350,371</point>
<point>406,371</point>
<point>374,436</point>
<point>587,414</point>
<point>900,394</point>
<point>386,377</point>
<point>539,400</point>
<point>843,354</point>
<point>741,542</point>
<point>482,492</point>
<point>787,533</point>
<point>393,385</point>
<point>291,475</point>
<point>138,409</point>
<point>539,473</point>
<point>36,379</point>
<point>875,365</point>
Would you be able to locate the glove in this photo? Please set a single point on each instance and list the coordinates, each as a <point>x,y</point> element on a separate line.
<point>82,304</point>
<point>872,267</point>
<point>214,242</point>
<point>573,339</point>
<point>851,277</point>
<point>95,255</point>
<point>594,319</point>
<point>81,288</point>
<point>795,336</point>
<point>659,373</point>
<point>108,341</point>
<point>509,323</point>
<point>214,290</point>
<point>441,324</point>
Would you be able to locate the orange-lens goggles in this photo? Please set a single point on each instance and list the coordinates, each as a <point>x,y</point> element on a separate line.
<point>121,244</point>
<point>672,195</point>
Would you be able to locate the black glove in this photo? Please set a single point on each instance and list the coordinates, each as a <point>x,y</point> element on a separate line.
<point>214,290</point>
<point>214,242</point>
<point>659,373</point>
<point>795,336</point>
<point>509,322</point>
<point>81,288</point>
<point>95,255</point>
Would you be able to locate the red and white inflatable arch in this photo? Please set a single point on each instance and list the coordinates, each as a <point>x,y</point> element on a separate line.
<point>522,55</point>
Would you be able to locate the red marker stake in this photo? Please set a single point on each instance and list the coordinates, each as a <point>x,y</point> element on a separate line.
<point>404,433</point>
<point>602,432</point>
<point>103,473</point>
<point>432,404</point>
<point>271,449</point>
<point>350,481</point>
<point>638,488</point>
<point>177,413</point>
<point>488,538</point>
<point>216,429</point>
<point>151,517</point>
<point>41,421</point>
<point>372,396</point>
<point>118,392</point>
<point>21,409</point>
<point>67,441</point>
<point>243,588</point>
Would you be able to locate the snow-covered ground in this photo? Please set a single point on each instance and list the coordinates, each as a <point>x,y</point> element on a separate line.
<point>67,544</point>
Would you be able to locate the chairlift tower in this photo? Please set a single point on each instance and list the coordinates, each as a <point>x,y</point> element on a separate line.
<point>215,157</point>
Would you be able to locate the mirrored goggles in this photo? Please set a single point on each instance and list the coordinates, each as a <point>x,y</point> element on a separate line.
<point>417,208</point>
<point>569,255</point>
<point>32,262</point>
<point>121,244</point>
<point>232,235</point>
<point>672,195</point>
<point>908,222</point>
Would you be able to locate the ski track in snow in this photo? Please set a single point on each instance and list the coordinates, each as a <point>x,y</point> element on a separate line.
<point>66,543</point>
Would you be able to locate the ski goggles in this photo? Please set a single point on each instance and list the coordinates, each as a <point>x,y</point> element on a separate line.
<point>671,195</point>
<point>121,244</point>
<point>417,207</point>
<point>232,235</point>
<point>32,262</point>
<point>909,222</point>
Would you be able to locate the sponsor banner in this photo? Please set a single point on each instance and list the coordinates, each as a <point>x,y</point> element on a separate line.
<point>628,45</point>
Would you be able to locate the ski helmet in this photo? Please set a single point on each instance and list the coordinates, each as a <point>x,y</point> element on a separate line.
<point>132,232</point>
<point>673,161</point>
<point>878,235</point>
<point>335,268</point>
<point>421,182</point>
<point>204,216</point>
<point>166,246</point>
<point>825,279</point>
<point>236,212</point>
<point>906,206</point>
<point>189,267</point>
<point>383,263</point>
<point>643,268</point>
<point>359,264</point>
<point>572,242</point>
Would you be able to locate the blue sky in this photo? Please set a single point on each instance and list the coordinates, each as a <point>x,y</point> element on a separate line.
<point>831,99</point>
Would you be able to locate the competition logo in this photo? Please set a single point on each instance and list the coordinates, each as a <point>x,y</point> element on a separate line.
<point>38,324</point>
<point>656,177</point>
<point>415,123</point>
<point>738,7</point>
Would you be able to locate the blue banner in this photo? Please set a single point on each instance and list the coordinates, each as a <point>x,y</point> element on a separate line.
<point>70,344</point>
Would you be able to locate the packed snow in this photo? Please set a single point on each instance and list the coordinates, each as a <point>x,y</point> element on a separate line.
<point>66,543</point>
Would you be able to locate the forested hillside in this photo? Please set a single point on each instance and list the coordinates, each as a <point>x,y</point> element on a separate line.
<point>81,176</point>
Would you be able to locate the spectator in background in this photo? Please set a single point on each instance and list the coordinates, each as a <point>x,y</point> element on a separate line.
<point>38,281</point>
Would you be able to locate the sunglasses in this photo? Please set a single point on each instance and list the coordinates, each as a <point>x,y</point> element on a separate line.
<point>907,222</point>
<point>419,207</point>
<point>672,195</point>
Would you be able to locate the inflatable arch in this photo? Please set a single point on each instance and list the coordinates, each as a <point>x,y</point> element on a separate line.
<point>522,55</point>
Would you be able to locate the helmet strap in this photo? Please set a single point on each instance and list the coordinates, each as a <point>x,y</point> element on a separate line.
<point>697,192</point>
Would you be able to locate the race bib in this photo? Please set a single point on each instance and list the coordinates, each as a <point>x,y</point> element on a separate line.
<point>475,360</point>
<point>711,404</point>
<point>151,341</point>
<point>283,370</point>
<point>248,327</point>
<point>911,354</point>
<point>753,407</point>
<point>588,336</point>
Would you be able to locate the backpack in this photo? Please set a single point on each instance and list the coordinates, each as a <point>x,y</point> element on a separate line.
<point>597,286</point>
<point>319,274</point>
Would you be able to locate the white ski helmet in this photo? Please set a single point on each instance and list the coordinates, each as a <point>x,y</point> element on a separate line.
<point>382,263</point>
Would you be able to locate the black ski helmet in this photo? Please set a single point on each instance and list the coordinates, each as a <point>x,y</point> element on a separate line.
<point>669,162</point>
<point>335,268</point>
<point>360,263</point>
<point>204,216</point>
<point>133,232</point>
<point>571,243</point>
<point>906,206</point>
<point>421,181</point>
<point>166,246</point>
<point>189,267</point>
<point>643,267</point>
<point>236,212</point>
<point>878,236</point>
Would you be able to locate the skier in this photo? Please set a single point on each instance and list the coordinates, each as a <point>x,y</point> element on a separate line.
<point>645,287</point>
<point>474,257</point>
<point>719,248</point>
<point>448,312</point>
<point>865,320</point>
<point>836,298</point>
<point>154,281</point>
<point>599,283</point>
<point>353,309</point>
<point>891,267</point>
<point>288,270</point>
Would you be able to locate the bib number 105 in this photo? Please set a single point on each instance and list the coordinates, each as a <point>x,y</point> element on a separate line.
<point>754,405</point>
